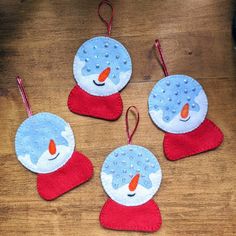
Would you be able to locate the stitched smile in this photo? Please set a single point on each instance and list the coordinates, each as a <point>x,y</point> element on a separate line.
<point>98,84</point>
<point>185,120</point>
<point>54,157</point>
<point>131,195</point>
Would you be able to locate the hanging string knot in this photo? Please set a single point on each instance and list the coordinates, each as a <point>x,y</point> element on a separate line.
<point>107,23</point>
<point>159,53</point>
<point>136,112</point>
<point>24,96</point>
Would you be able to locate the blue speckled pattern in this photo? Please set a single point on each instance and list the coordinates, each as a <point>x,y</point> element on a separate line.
<point>33,137</point>
<point>101,52</point>
<point>168,98</point>
<point>94,56</point>
<point>126,161</point>
<point>172,93</point>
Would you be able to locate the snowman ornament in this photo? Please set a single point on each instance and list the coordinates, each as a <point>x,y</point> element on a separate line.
<point>178,105</point>
<point>131,175</point>
<point>102,67</point>
<point>45,144</point>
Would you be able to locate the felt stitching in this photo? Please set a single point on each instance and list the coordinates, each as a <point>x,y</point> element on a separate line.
<point>195,151</point>
<point>91,89</point>
<point>130,176</point>
<point>134,227</point>
<point>105,115</point>
<point>133,160</point>
<point>73,92</point>
<point>169,81</point>
<point>88,169</point>
<point>31,121</point>
<point>69,174</point>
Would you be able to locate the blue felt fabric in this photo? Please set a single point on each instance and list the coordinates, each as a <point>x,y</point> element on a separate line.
<point>33,137</point>
<point>167,99</point>
<point>119,168</point>
<point>124,162</point>
<point>94,56</point>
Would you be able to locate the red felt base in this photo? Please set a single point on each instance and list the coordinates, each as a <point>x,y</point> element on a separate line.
<point>146,217</point>
<point>76,171</point>
<point>103,107</point>
<point>206,137</point>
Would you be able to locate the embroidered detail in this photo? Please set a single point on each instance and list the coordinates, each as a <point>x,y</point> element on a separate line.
<point>145,217</point>
<point>206,137</point>
<point>102,66</point>
<point>103,107</point>
<point>39,141</point>
<point>98,84</point>
<point>131,175</point>
<point>173,100</point>
<point>75,172</point>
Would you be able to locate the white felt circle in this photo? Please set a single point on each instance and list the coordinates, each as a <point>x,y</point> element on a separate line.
<point>33,139</point>
<point>177,104</point>
<point>120,168</point>
<point>96,55</point>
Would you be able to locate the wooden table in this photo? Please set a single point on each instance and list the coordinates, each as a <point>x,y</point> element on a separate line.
<point>38,41</point>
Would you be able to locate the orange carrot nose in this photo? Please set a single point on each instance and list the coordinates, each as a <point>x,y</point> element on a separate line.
<point>185,111</point>
<point>52,147</point>
<point>104,74</point>
<point>134,182</point>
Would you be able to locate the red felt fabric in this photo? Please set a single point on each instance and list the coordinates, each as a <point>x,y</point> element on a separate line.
<point>103,107</point>
<point>206,137</point>
<point>146,217</point>
<point>76,171</point>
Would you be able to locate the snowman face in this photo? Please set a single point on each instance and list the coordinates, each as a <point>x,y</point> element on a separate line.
<point>178,104</point>
<point>102,66</point>
<point>44,142</point>
<point>131,175</point>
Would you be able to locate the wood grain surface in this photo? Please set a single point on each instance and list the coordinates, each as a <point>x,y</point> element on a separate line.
<point>38,40</point>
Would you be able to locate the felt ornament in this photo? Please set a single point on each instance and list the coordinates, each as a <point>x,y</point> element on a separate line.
<point>45,144</point>
<point>178,105</point>
<point>102,67</point>
<point>131,175</point>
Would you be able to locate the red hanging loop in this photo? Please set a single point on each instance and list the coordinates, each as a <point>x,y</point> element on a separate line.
<point>157,46</point>
<point>108,24</point>
<point>23,95</point>
<point>130,135</point>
